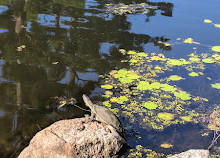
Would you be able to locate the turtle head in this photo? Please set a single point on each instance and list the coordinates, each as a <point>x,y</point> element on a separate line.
<point>87,101</point>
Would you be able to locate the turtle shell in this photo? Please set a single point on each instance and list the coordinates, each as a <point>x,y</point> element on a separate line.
<point>108,117</point>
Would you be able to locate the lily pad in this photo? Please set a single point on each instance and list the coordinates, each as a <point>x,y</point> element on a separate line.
<point>207,21</point>
<point>186,118</point>
<point>188,40</point>
<point>165,116</point>
<point>212,127</point>
<point>216,48</point>
<point>217,25</point>
<point>142,54</point>
<point>216,85</point>
<point>131,52</point>
<point>175,78</point>
<point>154,85</point>
<point>125,80</point>
<point>182,95</point>
<point>107,86</point>
<point>208,60</point>
<point>167,87</point>
<point>193,74</point>
<point>194,59</point>
<point>143,85</point>
<point>150,105</point>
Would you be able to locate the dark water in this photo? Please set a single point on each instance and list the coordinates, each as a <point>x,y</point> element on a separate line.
<point>69,43</point>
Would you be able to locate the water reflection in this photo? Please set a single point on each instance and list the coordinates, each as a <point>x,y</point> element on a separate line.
<point>54,48</point>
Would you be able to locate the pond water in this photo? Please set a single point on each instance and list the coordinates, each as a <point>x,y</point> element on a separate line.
<point>66,48</point>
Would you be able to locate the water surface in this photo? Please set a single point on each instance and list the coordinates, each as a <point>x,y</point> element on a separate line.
<point>51,48</point>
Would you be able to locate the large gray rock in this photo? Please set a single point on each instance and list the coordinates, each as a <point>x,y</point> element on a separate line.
<point>193,153</point>
<point>73,138</point>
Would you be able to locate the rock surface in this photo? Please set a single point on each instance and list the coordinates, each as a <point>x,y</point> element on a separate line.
<point>193,153</point>
<point>73,138</point>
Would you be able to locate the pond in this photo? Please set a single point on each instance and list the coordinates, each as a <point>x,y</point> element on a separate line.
<point>155,64</point>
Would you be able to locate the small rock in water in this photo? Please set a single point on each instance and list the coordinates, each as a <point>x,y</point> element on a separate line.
<point>193,153</point>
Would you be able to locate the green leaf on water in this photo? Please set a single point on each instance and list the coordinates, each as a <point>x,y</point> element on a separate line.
<point>123,98</point>
<point>107,104</point>
<point>186,118</point>
<point>165,116</point>
<point>133,61</point>
<point>154,85</point>
<point>174,78</point>
<point>194,59</point>
<point>177,62</point>
<point>207,21</point>
<point>107,86</point>
<point>216,48</point>
<point>132,76</point>
<point>188,40</point>
<point>208,60</point>
<point>216,85</point>
<point>131,52</point>
<point>142,54</point>
<point>167,87</point>
<point>182,95</point>
<point>150,105</point>
<point>217,25</point>
<point>193,74</point>
<point>125,80</point>
<point>143,85</point>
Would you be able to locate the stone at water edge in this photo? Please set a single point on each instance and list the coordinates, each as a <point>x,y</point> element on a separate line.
<point>193,153</point>
<point>73,138</point>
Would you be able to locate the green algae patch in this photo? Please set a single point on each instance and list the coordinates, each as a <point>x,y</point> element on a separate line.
<point>150,105</point>
<point>165,116</point>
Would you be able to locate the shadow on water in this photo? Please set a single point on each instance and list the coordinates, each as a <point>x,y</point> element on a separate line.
<point>52,48</point>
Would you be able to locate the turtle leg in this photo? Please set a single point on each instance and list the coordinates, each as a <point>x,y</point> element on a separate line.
<point>92,117</point>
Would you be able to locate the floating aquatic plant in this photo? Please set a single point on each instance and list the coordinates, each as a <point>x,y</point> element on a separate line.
<point>107,86</point>
<point>175,78</point>
<point>216,48</point>
<point>150,105</point>
<point>216,85</point>
<point>150,99</point>
<point>165,116</point>
<point>186,118</point>
<point>193,74</point>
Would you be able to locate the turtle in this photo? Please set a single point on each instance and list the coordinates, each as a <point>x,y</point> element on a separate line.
<point>105,116</point>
